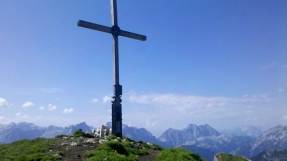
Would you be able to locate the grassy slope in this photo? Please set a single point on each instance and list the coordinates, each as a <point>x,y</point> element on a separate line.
<point>29,150</point>
<point>180,154</point>
<point>229,157</point>
<point>114,149</point>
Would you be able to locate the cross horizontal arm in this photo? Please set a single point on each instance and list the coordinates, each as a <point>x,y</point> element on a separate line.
<point>133,35</point>
<point>109,30</point>
<point>94,26</point>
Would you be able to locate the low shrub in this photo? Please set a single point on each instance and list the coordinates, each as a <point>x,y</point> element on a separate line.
<point>114,146</point>
<point>61,136</point>
<point>112,150</point>
<point>156,147</point>
<point>79,133</point>
<point>227,157</point>
<point>105,155</point>
<point>178,154</point>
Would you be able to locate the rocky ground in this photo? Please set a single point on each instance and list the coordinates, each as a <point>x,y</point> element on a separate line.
<point>72,149</point>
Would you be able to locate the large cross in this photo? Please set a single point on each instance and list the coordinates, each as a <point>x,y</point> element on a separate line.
<point>115,31</point>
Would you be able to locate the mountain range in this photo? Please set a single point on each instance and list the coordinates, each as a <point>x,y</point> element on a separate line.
<point>202,139</point>
<point>18,131</point>
<point>275,137</point>
<point>252,131</point>
<point>271,154</point>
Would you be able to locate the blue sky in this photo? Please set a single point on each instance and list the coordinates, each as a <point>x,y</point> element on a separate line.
<point>223,63</point>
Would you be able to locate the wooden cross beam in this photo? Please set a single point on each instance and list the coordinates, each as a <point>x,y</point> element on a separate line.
<point>115,31</point>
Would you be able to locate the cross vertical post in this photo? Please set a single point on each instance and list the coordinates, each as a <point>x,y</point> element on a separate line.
<point>116,103</point>
<point>115,31</point>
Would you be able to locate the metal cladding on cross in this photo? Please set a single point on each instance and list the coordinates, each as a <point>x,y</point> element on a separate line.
<point>115,31</point>
<point>106,29</point>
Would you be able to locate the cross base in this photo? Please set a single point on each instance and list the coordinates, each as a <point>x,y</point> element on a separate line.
<point>117,111</point>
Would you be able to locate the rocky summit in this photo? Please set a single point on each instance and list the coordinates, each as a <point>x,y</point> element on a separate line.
<point>271,154</point>
<point>275,137</point>
<point>251,131</point>
<point>203,136</point>
<point>188,135</point>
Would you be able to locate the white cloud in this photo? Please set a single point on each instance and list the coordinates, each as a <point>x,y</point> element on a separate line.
<point>155,109</point>
<point>50,90</point>
<point>68,110</point>
<point>38,117</point>
<point>25,92</point>
<point>149,123</point>
<point>107,99</point>
<point>280,90</point>
<point>267,66</point>
<point>284,117</point>
<point>1,118</point>
<point>28,104</point>
<point>189,101</point>
<point>95,100</point>
<point>52,107</point>
<point>18,114</point>
<point>42,108</point>
<point>3,103</point>
<point>179,100</point>
<point>21,115</point>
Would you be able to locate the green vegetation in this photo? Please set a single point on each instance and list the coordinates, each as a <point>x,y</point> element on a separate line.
<point>79,133</point>
<point>23,150</point>
<point>229,157</point>
<point>61,136</point>
<point>124,149</point>
<point>114,148</point>
<point>178,154</point>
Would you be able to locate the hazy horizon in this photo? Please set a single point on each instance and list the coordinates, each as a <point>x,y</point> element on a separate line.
<point>158,133</point>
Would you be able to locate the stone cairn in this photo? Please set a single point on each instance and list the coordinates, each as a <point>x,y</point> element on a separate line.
<point>100,132</point>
